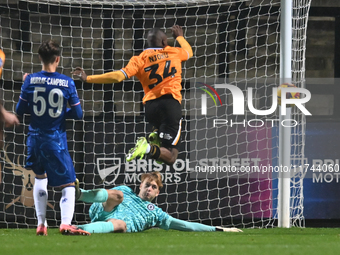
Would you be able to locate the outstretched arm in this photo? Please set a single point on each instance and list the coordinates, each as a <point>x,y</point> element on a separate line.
<point>177,33</point>
<point>106,78</point>
<point>189,226</point>
<point>9,118</point>
<point>198,227</point>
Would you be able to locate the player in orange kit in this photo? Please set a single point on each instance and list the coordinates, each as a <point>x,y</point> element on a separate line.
<point>159,70</point>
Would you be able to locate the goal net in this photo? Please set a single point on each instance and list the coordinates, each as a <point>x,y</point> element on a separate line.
<point>235,43</point>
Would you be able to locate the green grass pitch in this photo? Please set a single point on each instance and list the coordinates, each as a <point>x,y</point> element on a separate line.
<point>318,241</point>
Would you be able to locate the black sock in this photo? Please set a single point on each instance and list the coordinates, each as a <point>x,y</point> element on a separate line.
<point>155,151</point>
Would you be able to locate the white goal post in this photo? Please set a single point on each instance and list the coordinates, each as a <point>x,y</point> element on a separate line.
<point>235,42</point>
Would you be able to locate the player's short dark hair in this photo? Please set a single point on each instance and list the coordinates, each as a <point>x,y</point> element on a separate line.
<point>48,51</point>
<point>155,36</point>
<point>153,176</point>
<point>155,30</point>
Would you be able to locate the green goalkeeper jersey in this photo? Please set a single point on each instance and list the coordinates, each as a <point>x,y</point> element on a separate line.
<point>137,213</point>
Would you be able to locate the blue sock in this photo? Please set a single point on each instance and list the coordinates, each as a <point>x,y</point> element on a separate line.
<point>98,227</point>
<point>94,195</point>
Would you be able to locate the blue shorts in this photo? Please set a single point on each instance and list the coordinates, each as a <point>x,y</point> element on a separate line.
<point>47,152</point>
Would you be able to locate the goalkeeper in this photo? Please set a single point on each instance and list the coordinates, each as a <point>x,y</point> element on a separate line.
<point>159,70</point>
<point>121,210</point>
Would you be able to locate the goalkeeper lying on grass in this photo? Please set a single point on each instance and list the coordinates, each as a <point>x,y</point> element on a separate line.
<point>121,210</point>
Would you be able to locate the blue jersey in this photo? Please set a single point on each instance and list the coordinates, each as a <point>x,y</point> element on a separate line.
<point>47,95</point>
<point>137,213</point>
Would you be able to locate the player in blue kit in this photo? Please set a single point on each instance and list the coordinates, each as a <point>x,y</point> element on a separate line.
<point>44,95</point>
<point>121,210</point>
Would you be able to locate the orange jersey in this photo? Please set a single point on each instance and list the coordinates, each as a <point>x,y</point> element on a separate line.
<point>2,60</point>
<point>159,70</point>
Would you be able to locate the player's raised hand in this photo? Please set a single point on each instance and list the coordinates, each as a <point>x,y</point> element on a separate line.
<point>79,72</point>
<point>177,31</point>
<point>24,77</point>
<point>228,229</point>
<point>10,119</point>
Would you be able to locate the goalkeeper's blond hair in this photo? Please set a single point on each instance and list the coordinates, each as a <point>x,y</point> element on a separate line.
<point>153,176</point>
